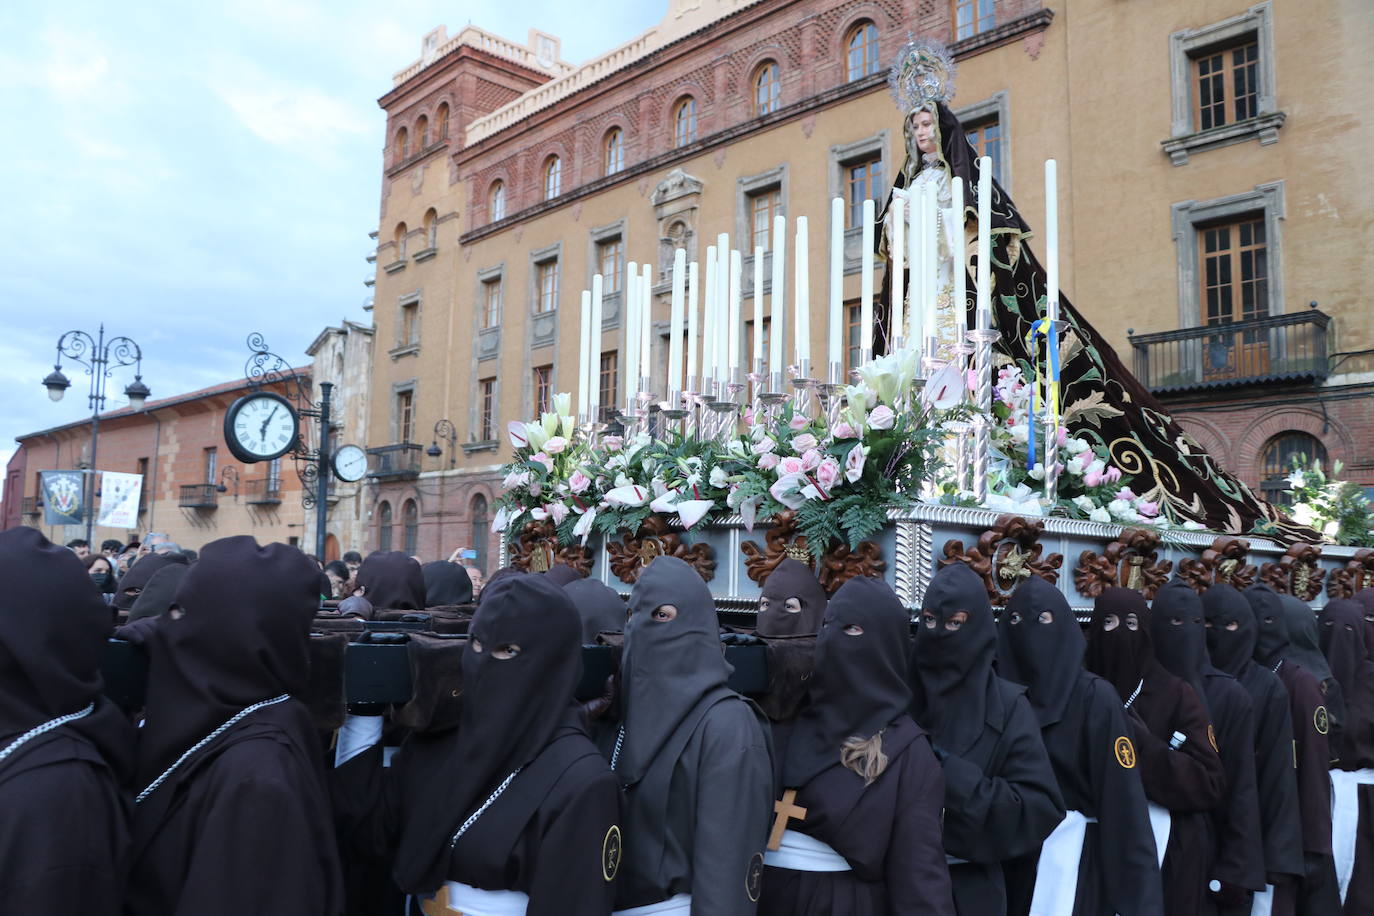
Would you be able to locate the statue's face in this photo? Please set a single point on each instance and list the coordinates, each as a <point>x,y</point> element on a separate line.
<point>923,129</point>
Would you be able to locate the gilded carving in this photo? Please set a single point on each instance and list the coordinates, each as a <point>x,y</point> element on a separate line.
<point>1298,572</point>
<point>536,549</point>
<point>1131,561</point>
<point>655,538</point>
<point>1223,562</point>
<point>1356,575</point>
<point>838,565</point>
<point>1005,555</point>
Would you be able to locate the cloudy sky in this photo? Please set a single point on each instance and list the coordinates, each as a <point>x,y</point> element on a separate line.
<point>188,173</point>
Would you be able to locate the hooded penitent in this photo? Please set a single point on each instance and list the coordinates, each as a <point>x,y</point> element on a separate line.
<point>1179,634</point>
<point>241,638</point>
<point>1351,665</point>
<point>859,686</point>
<point>1040,645</point>
<point>446,584</point>
<point>393,582</point>
<point>157,595</point>
<point>562,574</point>
<point>670,669</point>
<point>601,609</point>
<point>792,602</point>
<point>1124,653</point>
<point>1365,598</point>
<point>511,709</point>
<point>138,576</point>
<point>1305,650</point>
<point>1231,628</point>
<point>953,662</point>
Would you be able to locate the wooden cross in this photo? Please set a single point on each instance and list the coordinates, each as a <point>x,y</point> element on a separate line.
<point>786,810</point>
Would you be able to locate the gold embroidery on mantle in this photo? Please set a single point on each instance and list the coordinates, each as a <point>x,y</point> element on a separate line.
<point>1007,553</point>
<point>655,538</point>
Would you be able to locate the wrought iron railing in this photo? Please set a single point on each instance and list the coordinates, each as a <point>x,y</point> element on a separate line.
<point>395,462</point>
<point>264,492</point>
<point>198,496</point>
<point>1279,348</point>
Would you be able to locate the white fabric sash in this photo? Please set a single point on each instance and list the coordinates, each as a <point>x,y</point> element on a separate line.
<point>800,852</point>
<point>1056,876</point>
<point>473,901</point>
<point>1160,823</point>
<point>1345,819</point>
<point>357,734</point>
<point>1264,902</point>
<point>679,903</point>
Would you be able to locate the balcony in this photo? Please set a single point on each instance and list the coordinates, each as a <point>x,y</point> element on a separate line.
<point>1279,349</point>
<point>32,505</point>
<point>395,462</point>
<point>265,492</point>
<point>198,496</point>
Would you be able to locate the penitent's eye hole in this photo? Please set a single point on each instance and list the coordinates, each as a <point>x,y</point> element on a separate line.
<point>956,620</point>
<point>1176,621</point>
<point>763,605</point>
<point>1232,625</point>
<point>664,613</point>
<point>928,619</point>
<point>506,651</point>
<point>792,605</point>
<point>1110,622</point>
<point>476,644</point>
<point>1014,618</point>
<point>1046,617</point>
<point>853,630</point>
<point>1269,621</point>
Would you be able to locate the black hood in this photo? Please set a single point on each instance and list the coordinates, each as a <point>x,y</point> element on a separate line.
<point>1121,655</point>
<point>1271,622</point>
<point>562,574</point>
<point>1343,643</point>
<point>1365,598</point>
<point>1045,656</point>
<point>511,709</point>
<point>859,687</point>
<point>601,609</point>
<point>953,678</point>
<point>1231,628</point>
<point>669,667</point>
<point>139,574</point>
<point>393,582</point>
<point>158,593</point>
<point>1304,645</point>
<point>446,584</point>
<point>1179,633</point>
<point>791,580</point>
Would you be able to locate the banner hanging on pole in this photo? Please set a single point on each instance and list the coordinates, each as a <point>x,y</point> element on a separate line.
<point>64,497</point>
<point>119,495</point>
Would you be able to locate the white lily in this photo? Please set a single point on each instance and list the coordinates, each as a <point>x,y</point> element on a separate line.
<point>630,496</point>
<point>583,528</point>
<point>502,519</point>
<point>691,511</point>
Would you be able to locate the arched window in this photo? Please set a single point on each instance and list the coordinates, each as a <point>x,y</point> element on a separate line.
<point>480,532</point>
<point>496,200</point>
<point>614,148</point>
<point>410,523</point>
<point>431,228</point>
<point>402,146</point>
<point>441,122</point>
<point>553,177</point>
<point>861,50</point>
<point>685,121</point>
<point>399,237</point>
<point>421,134</point>
<point>384,526</point>
<point>767,88</point>
<point>1277,460</point>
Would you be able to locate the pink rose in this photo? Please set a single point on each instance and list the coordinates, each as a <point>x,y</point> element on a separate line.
<point>555,445</point>
<point>811,459</point>
<point>612,443</point>
<point>828,473</point>
<point>1147,508</point>
<point>764,446</point>
<point>1111,475</point>
<point>790,465</point>
<point>748,415</point>
<point>1092,479</point>
<point>781,487</point>
<point>1125,493</point>
<point>1063,435</point>
<point>803,443</point>
<point>881,417</point>
<point>579,482</point>
<point>768,461</point>
<point>854,464</point>
<point>543,459</point>
<point>843,430</point>
<point>798,421</point>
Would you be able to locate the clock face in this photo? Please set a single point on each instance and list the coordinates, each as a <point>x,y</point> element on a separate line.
<point>350,464</point>
<point>260,427</point>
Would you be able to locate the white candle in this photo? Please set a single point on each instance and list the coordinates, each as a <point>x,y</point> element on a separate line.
<point>723,307</point>
<point>802,338</point>
<point>916,294</point>
<point>594,393</point>
<point>866,280</point>
<point>757,355</point>
<point>778,296</point>
<point>1052,239</point>
<point>629,316</point>
<point>836,335</point>
<point>584,356</point>
<point>956,244</point>
<point>693,289</point>
<point>708,326</point>
<point>929,265</point>
<point>646,327</point>
<point>896,245</point>
<point>984,279</point>
<point>675,326</point>
<point>736,309</point>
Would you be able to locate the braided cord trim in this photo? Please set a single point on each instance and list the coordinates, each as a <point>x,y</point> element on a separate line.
<point>152,786</point>
<point>472,818</point>
<point>619,740</point>
<point>44,728</point>
<point>1135,693</point>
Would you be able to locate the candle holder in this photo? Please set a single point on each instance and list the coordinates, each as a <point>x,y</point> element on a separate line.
<point>960,430</point>
<point>673,411</point>
<point>831,396</point>
<point>801,384</point>
<point>724,408</point>
<point>772,396</point>
<point>982,339</point>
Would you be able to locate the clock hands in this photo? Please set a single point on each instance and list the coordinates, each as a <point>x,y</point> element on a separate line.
<point>263,433</point>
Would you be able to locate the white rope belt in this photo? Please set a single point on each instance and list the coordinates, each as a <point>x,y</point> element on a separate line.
<point>44,729</point>
<point>473,901</point>
<point>679,903</point>
<point>152,786</point>
<point>800,852</point>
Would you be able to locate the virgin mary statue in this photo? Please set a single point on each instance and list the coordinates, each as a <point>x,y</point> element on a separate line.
<point>1112,408</point>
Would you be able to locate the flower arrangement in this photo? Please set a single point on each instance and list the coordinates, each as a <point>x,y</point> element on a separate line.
<point>1336,508</point>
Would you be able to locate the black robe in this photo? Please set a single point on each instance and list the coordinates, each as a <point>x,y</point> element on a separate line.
<point>1102,779</point>
<point>243,826</point>
<point>1275,774</point>
<point>887,831</point>
<point>1239,860</point>
<point>551,835</point>
<point>1001,801</point>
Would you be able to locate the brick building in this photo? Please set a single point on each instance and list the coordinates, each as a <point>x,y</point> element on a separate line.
<point>193,489</point>
<point>1209,167</point>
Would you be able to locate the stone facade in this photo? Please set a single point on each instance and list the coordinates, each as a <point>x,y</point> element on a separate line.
<point>343,356</point>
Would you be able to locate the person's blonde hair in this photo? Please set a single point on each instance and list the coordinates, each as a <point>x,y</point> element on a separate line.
<point>864,756</point>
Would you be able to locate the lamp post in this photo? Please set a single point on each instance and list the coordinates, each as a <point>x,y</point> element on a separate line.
<point>446,431</point>
<point>100,357</point>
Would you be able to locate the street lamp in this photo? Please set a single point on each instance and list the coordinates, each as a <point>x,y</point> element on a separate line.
<point>446,431</point>
<point>100,357</point>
